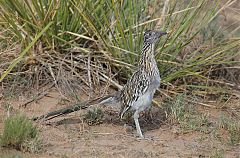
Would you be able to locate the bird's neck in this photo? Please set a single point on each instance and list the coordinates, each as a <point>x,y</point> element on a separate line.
<point>147,60</point>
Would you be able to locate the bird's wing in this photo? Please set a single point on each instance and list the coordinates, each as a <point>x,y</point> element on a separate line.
<point>136,86</point>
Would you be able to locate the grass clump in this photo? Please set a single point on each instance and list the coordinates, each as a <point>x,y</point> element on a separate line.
<point>20,133</point>
<point>217,154</point>
<point>187,116</point>
<point>234,133</point>
<point>94,116</point>
<point>232,127</point>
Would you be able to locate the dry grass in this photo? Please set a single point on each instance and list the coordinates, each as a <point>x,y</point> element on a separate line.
<point>80,50</point>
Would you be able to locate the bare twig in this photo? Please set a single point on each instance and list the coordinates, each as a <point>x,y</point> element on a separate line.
<point>89,75</point>
<point>226,83</point>
<point>38,96</point>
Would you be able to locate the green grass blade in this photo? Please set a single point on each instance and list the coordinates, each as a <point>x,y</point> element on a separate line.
<point>21,55</point>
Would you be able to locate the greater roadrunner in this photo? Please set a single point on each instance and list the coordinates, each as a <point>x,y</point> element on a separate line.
<point>138,92</point>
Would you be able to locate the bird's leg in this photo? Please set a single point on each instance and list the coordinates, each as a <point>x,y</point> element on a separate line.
<point>136,116</point>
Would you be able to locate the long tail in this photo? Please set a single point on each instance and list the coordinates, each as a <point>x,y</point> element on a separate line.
<point>109,99</point>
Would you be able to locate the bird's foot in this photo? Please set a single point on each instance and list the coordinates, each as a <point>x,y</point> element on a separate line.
<point>149,138</point>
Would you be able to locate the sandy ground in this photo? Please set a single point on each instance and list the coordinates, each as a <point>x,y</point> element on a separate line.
<point>70,137</point>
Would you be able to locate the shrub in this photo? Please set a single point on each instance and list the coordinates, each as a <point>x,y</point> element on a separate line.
<point>18,131</point>
<point>94,116</point>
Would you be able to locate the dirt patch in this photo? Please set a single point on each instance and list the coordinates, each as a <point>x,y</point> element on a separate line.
<point>69,136</point>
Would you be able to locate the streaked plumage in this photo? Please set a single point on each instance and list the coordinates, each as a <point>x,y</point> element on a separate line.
<point>137,93</point>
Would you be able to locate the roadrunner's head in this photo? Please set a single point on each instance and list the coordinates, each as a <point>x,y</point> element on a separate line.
<point>152,36</point>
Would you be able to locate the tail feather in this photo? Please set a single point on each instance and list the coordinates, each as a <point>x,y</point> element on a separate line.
<point>109,99</point>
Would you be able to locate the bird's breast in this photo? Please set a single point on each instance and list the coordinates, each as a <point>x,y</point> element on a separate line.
<point>155,82</point>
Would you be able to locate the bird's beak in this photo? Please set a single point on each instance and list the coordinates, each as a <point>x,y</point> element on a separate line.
<point>162,33</point>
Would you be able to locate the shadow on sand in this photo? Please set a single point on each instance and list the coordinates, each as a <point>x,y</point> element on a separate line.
<point>149,120</point>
